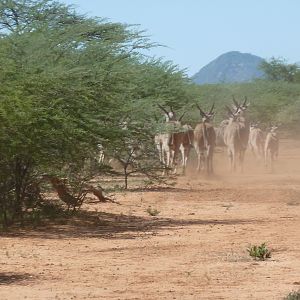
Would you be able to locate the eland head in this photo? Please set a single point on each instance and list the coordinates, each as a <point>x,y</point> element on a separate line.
<point>170,115</point>
<point>206,116</point>
<point>240,108</point>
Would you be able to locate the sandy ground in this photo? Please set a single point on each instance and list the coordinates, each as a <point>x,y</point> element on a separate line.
<point>194,249</point>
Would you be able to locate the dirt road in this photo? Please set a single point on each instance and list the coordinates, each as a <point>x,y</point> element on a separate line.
<point>195,248</point>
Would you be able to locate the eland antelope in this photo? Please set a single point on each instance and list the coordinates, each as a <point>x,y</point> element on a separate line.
<point>271,146</point>
<point>186,144</point>
<point>205,141</point>
<point>241,112</point>
<point>220,133</point>
<point>235,136</point>
<point>256,141</point>
<point>101,154</point>
<point>176,138</point>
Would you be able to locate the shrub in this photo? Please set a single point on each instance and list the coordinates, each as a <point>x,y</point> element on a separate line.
<point>259,252</point>
<point>293,296</point>
<point>152,211</point>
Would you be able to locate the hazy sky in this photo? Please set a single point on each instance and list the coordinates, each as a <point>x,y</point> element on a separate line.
<point>197,31</point>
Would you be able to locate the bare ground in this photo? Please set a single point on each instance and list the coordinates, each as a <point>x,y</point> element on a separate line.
<point>194,249</point>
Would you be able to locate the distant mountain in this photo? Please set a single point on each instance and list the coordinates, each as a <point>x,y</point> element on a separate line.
<point>230,67</point>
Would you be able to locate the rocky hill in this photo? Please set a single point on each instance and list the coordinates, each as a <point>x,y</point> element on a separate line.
<point>230,67</point>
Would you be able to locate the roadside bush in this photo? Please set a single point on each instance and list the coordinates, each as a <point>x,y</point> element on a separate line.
<point>259,252</point>
<point>293,296</point>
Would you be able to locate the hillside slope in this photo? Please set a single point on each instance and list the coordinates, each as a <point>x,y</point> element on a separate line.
<point>230,67</point>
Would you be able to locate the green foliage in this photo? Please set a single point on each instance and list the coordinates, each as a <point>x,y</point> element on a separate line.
<point>293,296</point>
<point>259,252</point>
<point>152,211</point>
<point>277,69</point>
<point>67,84</point>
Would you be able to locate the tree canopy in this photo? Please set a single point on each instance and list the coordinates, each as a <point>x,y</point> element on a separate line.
<point>67,84</point>
<point>277,69</point>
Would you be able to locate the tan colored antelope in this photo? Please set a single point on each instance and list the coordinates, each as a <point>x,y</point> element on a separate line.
<point>220,133</point>
<point>236,135</point>
<point>186,145</point>
<point>205,141</point>
<point>101,155</point>
<point>271,147</point>
<point>241,112</point>
<point>176,138</point>
<point>256,141</point>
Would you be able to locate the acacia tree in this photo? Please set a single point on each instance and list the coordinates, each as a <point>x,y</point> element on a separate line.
<point>56,88</point>
<point>66,83</point>
<point>278,69</point>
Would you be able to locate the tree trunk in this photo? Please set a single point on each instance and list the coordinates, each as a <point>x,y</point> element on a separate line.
<point>126,176</point>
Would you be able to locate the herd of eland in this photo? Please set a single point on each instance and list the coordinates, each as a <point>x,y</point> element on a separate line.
<point>236,133</point>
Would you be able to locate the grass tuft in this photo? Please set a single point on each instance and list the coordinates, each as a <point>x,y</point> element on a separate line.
<point>259,252</point>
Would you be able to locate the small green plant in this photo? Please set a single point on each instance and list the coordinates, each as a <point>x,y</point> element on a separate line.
<point>293,296</point>
<point>152,211</point>
<point>259,252</point>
